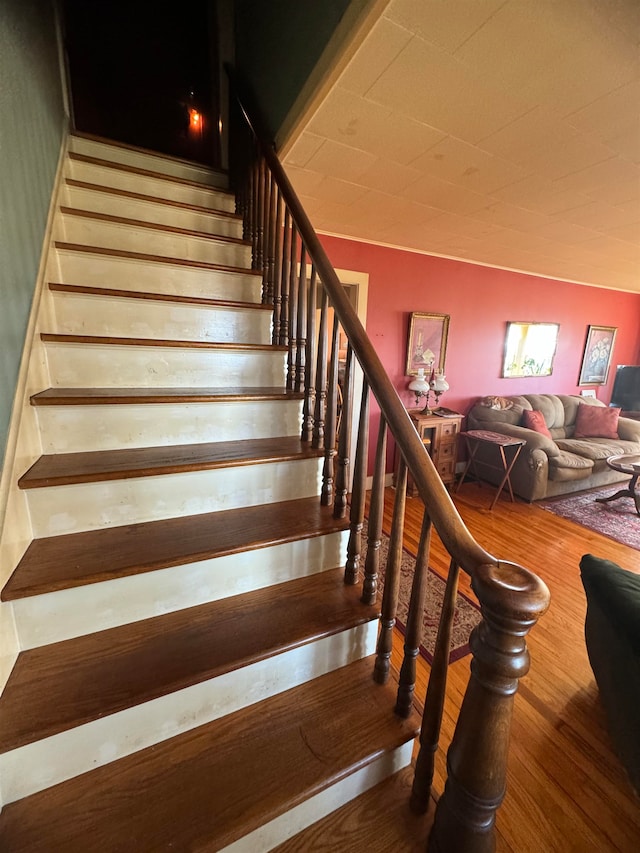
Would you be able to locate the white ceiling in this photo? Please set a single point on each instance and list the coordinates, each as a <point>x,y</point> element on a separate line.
<point>504,132</point>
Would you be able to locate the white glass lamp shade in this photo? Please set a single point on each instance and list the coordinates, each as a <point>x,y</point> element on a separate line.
<point>439,383</point>
<point>419,384</point>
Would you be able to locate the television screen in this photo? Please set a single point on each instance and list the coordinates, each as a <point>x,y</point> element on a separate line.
<point>626,387</point>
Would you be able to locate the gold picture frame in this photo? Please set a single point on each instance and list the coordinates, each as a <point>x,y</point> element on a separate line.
<point>427,342</point>
<point>596,358</point>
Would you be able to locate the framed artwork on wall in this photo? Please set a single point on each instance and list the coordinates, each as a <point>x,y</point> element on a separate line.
<point>596,359</point>
<point>529,349</point>
<point>427,342</point>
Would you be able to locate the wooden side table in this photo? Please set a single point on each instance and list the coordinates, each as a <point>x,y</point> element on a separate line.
<point>477,437</point>
<point>440,436</point>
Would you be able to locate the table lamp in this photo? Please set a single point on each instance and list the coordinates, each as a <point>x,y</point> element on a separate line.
<point>422,387</point>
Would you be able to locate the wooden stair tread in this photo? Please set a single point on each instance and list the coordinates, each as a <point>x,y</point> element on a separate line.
<point>118,293</point>
<point>147,173</point>
<point>160,155</point>
<point>59,469</point>
<point>183,205</point>
<point>56,687</point>
<point>108,396</point>
<point>100,340</point>
<point>377,821</point>
<point>206,788</point>
<point>147,258</point>
<point>152,226</point>
<point>75,559</point>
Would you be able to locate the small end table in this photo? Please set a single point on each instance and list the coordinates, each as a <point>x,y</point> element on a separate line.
<point>475,439</point>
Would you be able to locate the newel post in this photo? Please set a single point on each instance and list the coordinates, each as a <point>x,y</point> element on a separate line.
<point>512,600</point>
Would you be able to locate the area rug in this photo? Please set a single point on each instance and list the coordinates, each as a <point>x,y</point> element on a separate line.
<point>618,520</point>
<point>466,616</point>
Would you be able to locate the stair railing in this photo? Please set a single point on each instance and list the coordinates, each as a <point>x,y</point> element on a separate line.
<point>511,597</point>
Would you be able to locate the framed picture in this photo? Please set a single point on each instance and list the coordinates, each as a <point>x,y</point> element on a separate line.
<point>529,349</point>
<point>598,350</point>
<point>427,343</point>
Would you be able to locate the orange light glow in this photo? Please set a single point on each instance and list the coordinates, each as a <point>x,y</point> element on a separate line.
<point>195,120</point>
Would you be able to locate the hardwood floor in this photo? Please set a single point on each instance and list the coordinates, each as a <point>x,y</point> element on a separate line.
<point>566,789</point>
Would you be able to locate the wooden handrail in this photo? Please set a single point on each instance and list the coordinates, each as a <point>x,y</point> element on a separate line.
<point>512,598</point>
<point>444,515</point>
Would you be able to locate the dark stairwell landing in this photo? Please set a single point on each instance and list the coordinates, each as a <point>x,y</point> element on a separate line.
<point>137,70</point>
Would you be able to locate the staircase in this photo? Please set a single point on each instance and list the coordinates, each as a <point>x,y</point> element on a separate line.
<point>194,674</point>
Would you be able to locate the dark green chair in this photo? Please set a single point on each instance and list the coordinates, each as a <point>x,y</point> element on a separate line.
<point>612,633</point>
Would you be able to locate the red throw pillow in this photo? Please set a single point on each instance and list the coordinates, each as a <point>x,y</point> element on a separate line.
<point>535,420</point>
<point>596,422</point>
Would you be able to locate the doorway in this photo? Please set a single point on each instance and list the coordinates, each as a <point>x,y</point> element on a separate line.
<point>356,287</point>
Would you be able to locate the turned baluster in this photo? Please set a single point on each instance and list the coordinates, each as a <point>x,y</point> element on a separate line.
<point>245,207</point>
<point>392,579</point>
<point>321,376</point>
<point>414,626</point>
<point>277,270</point>
<point>376,510</point>
<point>266,201</point>
<point>328,469</point>
<point>242,179</point>
<point>434,701</point>
<point>344,441</point>
<point>310,357</point>
<point>477,758</point>
<point>259,255</point>
<point>283,330</point>
<point>270,260</point>
<point>293,314</point>
<point>251,231</point>
<point>301,322</point>
<point>358,491</point>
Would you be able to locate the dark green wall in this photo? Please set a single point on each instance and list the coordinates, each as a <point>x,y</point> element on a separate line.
<point>278,43</point>
<point>31,128</point>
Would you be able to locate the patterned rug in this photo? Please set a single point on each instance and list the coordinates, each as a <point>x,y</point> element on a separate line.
<point>466,616</point>
<point>618,520</point>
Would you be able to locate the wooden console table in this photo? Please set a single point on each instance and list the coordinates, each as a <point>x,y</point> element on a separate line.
<point>475,438</point>
<point>440,436</point>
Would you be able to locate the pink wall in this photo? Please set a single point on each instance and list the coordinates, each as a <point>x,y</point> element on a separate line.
<point>480,301</point>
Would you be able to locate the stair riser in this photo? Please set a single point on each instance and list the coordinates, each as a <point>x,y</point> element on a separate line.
<point>129,238</point>
<point>113,316</point>
<point>167,166</point>
<point>118,366</point>
<point>39,765</point>
<point>280,829</point>
<point>67,429</point>
<point>87,506</point>
<point>55,616</point>
<point>146,211</point>
<point>128,274</point>
<point>107,177</point>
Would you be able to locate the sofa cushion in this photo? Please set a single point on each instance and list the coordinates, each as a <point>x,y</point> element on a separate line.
<point>486,415</point>
<point>596,422</point>
<point>596,448</point>
<point>551,408</point>
<point>569,466</point>
<point>535,420</point>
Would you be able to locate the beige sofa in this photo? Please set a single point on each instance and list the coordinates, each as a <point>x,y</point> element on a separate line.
<point>557,465</point>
